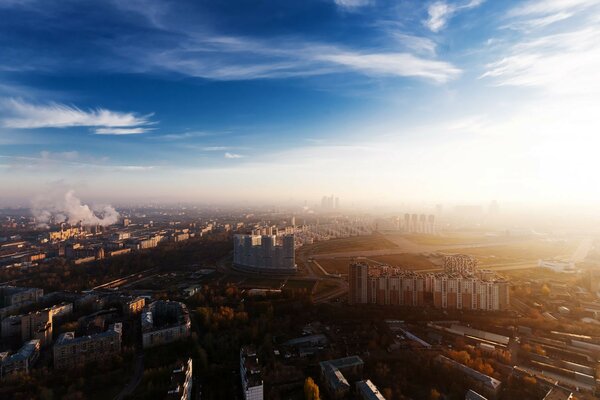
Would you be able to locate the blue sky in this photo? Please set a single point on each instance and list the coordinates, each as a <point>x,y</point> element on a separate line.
<point>462,101</point>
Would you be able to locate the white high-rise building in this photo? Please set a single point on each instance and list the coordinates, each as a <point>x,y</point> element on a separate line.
<point>264,253</point>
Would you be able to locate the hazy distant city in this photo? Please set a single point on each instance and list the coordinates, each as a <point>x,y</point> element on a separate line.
<point>299,200</point>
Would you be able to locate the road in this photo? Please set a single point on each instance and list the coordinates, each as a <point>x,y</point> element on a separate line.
<point>136,378</point>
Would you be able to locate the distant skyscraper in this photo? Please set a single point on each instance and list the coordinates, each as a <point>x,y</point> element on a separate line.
<point>431,224</point>
<point>414,223</point>
<point>494,208</point>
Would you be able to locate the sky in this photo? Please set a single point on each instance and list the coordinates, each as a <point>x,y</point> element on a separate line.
<point>378,102</point>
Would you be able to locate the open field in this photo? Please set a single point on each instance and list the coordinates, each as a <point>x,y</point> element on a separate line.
<point>339,265</point>
<point>529,250</point>
<point>356,243</point>
<point>450,239</point>
<point>262,283</point>
<point>300,284</point>
<point>406,261</point>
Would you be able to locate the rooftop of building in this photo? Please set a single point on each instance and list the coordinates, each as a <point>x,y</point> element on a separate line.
<point>161,314</point>
<point>369,390</point>
<point>69,337</point>
<point>558,393</point>
<point>486,380</point>
<point>473,395</point>
<point>24,352</point>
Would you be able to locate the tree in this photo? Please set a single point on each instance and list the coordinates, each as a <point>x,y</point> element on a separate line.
<point>434,394</point>
<point>311,390</point>
<point>545,290</point>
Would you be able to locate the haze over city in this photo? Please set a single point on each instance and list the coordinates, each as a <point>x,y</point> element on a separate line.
<point>464,101</point>
<point>299,199</point>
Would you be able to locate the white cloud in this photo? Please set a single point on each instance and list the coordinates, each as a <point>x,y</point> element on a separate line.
<point>232,155</point>
<point>20,114</point>
<point>441,12</point>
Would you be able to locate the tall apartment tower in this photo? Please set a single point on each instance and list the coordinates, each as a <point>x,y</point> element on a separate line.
<point>358,280</point>
<point>431,224</point>
<point>414,223</point>
<point>407,222</point>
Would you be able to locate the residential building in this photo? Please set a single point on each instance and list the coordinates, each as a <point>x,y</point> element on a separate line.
<point>251,376</point>
<point>164,321</point>
<point>488,386</point>
<point>181,382</point>
<point>21,361</point>
<point>17,296</point>
<point>366,390</point>
<point>72,352</point>
<point>460,264</point>
<point>387,285</point>
<point>358,283</point>
<point>264,253</point>
<point>35,325</point>
<point>335,374</point>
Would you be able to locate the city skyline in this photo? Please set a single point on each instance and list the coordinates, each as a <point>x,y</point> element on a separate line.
<point>461,101</point>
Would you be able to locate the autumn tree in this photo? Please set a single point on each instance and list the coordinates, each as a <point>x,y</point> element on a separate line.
<point>311,389</point>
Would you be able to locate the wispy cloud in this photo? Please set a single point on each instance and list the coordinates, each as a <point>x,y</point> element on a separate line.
<point>351,4</point>
<point>396,64</point>
<point>232,155</point>
<point>418,44</point>
<point>440,12</point>
<point>214,148</point>
<point>538,14</point>
<point>564,61</point>
<point>244,58</point>
<point>70,160</point>
<point>184,135</point>
<point>22,115</point>
<point>121,131</point>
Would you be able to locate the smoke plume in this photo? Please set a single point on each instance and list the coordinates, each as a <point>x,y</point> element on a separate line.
<point>66,207</point>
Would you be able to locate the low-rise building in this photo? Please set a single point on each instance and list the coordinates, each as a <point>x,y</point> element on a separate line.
<point>71,352</point>
<point>164,321</point>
